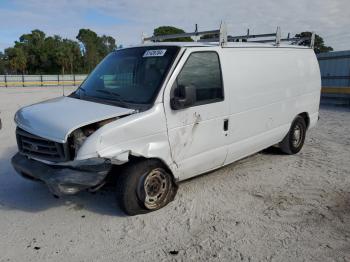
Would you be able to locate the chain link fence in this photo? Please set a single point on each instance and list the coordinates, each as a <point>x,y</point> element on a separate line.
<point>40,80</point>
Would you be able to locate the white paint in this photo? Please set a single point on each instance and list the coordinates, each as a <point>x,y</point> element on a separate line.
<point>265,88</point>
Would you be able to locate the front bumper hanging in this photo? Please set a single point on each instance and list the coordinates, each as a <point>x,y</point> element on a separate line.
<point>64,179</point>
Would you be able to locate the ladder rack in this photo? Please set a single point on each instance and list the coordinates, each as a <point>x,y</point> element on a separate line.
<point>220,36</point>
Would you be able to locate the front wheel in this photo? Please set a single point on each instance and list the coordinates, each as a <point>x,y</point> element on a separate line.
<point>144,186</point>
<point>294,140</point>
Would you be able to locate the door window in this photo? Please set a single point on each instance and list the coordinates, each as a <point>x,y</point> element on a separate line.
<point>202,70</point>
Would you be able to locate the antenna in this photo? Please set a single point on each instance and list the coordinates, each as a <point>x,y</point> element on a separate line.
<point>62,84</point>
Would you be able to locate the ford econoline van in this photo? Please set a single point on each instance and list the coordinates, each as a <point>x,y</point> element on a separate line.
<point>166,112</point>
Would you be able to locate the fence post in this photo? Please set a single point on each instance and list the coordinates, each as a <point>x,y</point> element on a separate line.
<point>22,80</point>
<point>58,79</point>
<point>41,80</point>
<point>73,79</point>
<point>5,81</point>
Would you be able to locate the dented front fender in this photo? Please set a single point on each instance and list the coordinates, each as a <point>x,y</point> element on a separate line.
<point>143,134</point>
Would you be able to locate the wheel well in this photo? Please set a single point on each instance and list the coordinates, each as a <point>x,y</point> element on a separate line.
<point>133,159</point>
<point>117,169</point>
<point>306,118</point>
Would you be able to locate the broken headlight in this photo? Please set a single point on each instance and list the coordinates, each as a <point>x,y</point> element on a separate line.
<point>79,136</point>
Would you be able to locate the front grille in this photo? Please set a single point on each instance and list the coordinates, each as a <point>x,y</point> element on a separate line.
<point>41,148</point>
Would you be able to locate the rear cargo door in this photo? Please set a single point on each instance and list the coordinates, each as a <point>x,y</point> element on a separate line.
<point>198,133</point>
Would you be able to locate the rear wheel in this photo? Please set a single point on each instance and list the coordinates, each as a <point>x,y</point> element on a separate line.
<point>144,186</point>
<point>294,140</point>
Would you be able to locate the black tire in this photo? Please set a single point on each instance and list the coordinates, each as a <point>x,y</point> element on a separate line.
<point>133,181</point>
<point>294,140</point>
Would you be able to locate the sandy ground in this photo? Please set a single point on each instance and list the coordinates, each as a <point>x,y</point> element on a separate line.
<point>267,207</point>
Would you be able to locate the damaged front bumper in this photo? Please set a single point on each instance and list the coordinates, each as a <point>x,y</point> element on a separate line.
<point>65,179</point>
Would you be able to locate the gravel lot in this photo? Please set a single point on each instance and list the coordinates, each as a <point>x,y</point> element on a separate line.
<point>267,207</point>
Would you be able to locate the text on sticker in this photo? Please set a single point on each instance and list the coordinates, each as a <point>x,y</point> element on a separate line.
<point>158,52</point>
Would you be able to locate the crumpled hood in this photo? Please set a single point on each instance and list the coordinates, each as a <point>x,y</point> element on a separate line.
<point>55,119</point>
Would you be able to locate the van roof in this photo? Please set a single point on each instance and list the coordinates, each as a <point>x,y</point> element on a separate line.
<point>213,44</point>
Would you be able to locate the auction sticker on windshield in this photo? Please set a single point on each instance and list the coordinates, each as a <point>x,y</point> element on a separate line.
<point>158,52</point>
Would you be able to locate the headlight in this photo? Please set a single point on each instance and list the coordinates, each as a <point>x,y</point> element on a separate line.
<point>78,139</point>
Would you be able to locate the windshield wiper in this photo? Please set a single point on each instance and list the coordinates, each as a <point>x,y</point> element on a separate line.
<point>115,95</point>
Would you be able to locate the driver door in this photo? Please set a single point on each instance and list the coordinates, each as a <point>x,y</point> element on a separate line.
<point>198,131</point>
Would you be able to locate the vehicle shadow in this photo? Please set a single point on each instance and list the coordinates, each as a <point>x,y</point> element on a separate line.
<point>272,150</point>
<point>18,193</point>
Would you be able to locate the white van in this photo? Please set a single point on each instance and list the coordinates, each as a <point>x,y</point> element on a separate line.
<point>159,113</point>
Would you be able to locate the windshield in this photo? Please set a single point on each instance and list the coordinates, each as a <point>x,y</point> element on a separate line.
<point>132,75</point>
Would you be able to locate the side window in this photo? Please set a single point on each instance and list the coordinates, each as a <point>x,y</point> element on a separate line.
<point>202,70</point>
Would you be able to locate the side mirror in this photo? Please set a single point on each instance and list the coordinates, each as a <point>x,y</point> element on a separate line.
<point>184,96</point>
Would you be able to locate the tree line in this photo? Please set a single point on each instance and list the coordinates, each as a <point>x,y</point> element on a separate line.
<point>36,53</point>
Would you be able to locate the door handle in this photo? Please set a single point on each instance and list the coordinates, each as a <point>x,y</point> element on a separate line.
<point>225,124</point>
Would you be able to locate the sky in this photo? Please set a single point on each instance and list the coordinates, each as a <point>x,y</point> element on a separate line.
<point>127,20</point>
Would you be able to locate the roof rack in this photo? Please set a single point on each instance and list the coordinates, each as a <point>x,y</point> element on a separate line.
<point>220,36</point>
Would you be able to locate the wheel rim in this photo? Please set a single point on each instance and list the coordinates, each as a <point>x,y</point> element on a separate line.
<point>297,136</point>
<point>154,188</point>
